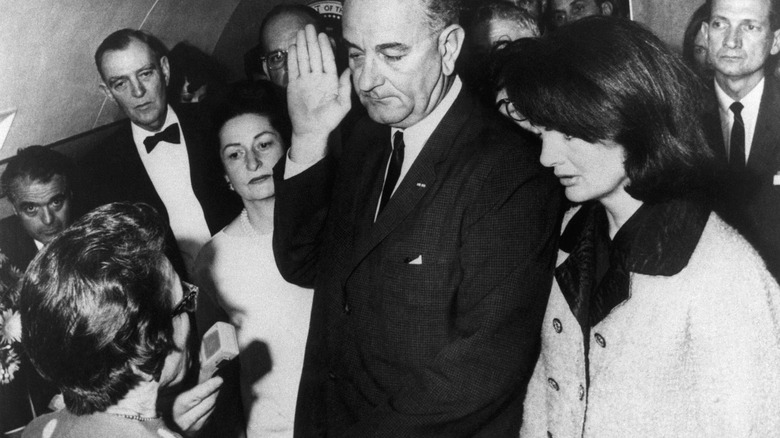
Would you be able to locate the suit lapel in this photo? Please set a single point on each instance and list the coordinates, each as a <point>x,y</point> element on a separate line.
<point>418,181</point>
<point>767,133</point>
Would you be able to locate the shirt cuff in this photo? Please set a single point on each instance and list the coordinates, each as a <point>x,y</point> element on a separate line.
<point>292,168</point>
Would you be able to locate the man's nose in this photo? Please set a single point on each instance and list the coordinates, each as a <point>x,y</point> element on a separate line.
<point>47,216</point>
<point>137,89</point>
<point>368,76</point>
<point>733,38</point>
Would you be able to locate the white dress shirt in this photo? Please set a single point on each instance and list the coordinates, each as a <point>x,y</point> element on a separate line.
<point>168,166</point>
<point>415,137</point>
<point>751,103</point>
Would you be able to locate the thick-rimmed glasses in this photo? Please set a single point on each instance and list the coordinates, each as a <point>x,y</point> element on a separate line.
<point>276,59</point>
<point>505,107</point>
<point>189,303</point>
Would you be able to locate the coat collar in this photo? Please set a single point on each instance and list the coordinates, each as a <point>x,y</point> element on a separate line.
<point>658,239</point>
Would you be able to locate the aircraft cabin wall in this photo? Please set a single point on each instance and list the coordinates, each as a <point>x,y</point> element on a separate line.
<point>48,79</point>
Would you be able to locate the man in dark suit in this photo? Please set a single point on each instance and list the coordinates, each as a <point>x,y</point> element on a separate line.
<point>164,157</point>
<point>430,243</point>
<point>743,121</point>
<point>38,182</point>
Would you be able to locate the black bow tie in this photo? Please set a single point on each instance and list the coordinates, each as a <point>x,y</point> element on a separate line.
<point>170,135</point>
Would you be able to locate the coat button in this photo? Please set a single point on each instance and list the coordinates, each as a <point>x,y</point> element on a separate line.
<point>582,392</point>
<point>553,383</point>
<point>557,325</point>
<point>331,375</point>
<point>600,340</point>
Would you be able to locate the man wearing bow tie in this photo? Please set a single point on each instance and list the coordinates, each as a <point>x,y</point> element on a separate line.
<point>164,157</point>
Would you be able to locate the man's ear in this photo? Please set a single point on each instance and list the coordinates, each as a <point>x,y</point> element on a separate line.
<point>775,43</point>
<point>607,8</point>
<point>166,68</point>
<point>450,44</point>
<point>107,91</point>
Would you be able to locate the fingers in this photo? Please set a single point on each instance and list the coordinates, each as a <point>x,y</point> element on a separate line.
<point>328,58</point>
<point>345,90</point>
<point>292,62</point>
<point>314,49</point>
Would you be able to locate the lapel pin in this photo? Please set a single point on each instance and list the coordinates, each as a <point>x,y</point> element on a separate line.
<point>421,185</point>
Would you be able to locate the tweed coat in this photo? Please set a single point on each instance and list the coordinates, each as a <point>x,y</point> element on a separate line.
<point>696,354</point>
<point>426,322</point>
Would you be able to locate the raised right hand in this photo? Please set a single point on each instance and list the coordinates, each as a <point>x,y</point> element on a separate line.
<point>318,99</point>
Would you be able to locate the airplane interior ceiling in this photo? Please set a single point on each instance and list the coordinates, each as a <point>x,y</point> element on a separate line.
<point>48,76</point>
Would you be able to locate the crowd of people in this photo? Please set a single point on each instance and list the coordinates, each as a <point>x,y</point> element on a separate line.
<point>490,219</point>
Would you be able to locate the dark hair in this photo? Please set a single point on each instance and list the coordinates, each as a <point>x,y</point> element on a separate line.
<point>700,15</point>
<point>774,13</point>
<point>39,164</point>
<point>604,78</point>
<point>310,15</point>
<point>95,302</point>
<point>262,98</point>
<point>503,10</point>
<point>122,38</point>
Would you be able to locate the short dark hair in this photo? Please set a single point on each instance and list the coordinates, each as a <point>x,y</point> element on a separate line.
<point>302,11</point>
<point>94,303</point>
<point>39,164</point>
<point>122,38</point>
<point>605,78</point>
<point>774,13</point>
<point>262,98</point>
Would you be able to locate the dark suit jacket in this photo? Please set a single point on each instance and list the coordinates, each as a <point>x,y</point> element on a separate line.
<point>117,173</point>
<point>749,200</point>
<point>15,243</point>
<point>27,385</point>
<point>441,348</point>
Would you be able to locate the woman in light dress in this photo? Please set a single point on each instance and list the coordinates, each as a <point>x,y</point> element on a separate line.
<point>236,269</point>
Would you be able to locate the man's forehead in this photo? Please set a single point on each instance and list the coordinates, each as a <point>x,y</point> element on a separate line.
<point>29,190</point>
<point>563,4</point>
<point>135,55</point>
<point>403,21</point>
<point>280,32</point>
<point>754,9</point>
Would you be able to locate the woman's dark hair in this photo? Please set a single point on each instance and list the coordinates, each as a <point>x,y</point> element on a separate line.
<point>95,303</point>
<point>605,78</point>
<point>261,98</point>
<point>700,15</point>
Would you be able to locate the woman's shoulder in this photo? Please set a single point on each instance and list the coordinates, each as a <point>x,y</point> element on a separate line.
<point>63,424</point>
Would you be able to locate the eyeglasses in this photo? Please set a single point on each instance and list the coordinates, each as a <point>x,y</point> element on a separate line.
<point>276,59</point>
<point>505,107</point>
<point>189,303</point>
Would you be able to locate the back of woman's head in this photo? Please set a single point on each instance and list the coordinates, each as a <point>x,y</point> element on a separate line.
<point>605,78</point>
<point>95,305</point>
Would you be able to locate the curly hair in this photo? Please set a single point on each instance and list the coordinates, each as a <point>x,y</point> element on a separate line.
<point>94,304</point>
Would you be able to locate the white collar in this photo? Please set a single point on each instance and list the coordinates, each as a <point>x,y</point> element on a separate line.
<point>417,134</point>
<point>751,102</point>
<point>140,134</point>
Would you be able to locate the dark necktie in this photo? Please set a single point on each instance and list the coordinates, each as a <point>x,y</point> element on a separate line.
<point>394,171</point>
<point>169,134</point>
<point>737,144</point>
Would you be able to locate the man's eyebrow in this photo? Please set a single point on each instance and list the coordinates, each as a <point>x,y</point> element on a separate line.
<point>380,47</point>
<point>151,65</point>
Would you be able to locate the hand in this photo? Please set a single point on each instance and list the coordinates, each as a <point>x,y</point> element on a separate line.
<point>192,408</point>
<point>317,98</point>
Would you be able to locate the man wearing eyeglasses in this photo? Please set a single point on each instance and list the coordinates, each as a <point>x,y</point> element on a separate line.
<point>430,242</point>
<point>277,33</point>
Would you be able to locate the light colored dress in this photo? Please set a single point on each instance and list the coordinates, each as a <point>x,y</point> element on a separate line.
<point>271,318</point>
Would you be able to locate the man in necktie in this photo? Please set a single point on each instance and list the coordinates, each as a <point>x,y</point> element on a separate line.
<point>430,241</point>
<point>743,124</point>
<point>163,156</point>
